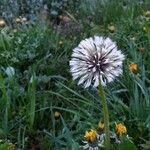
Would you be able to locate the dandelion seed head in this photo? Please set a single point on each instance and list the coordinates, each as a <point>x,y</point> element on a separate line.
<point>96,60</point>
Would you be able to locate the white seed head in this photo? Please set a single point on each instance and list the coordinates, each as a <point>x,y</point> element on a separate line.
<point>96,60</point>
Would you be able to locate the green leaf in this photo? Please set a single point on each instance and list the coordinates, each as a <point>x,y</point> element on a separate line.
<point>32,99</point>
<point>146,145</point>
<point>127,145</point>
<point>75,146</point>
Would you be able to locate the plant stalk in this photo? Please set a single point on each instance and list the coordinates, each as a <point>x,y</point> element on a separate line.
<point>106,116</point>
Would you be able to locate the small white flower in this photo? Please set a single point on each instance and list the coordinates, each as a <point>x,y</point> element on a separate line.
<point>10,71</point>
<point>96,60</point>
<point>89,146</point>
<point>101,139</point>
<point>114,137</point>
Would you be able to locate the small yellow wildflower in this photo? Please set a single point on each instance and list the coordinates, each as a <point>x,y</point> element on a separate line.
<point>121,129</point>
<point>144,29</point>
<point>112,29</point>
<point>91,135</point>
<point>57,114</point>
<point>21,20</point>
<point>18,20</point>
<point>60,42</point>
<point>11,146</point>
<point>101,125</point>
<point>2,23</point>
<point>133,67</point>
<point>14,30</point>
<point>147,13</point>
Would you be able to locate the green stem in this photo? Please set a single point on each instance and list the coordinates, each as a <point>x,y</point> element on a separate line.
<point>106,116</point>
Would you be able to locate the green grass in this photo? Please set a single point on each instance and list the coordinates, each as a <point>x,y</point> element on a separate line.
<point>42,83</point>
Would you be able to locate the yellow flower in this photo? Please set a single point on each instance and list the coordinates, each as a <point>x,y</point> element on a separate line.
<point>14,30</point>
<point>18,20</point>
<point>101,125</point>
<point>21,20</point>
<point>133,67</point>
<point>91,135</point>
<point>147,13</point>
<point>57,114</point>
<point>2,23</point>
<point>112,29</point>
<point>11,146</point>
<point>121,129</point>
<point>60,42</point>
<point>144,29</point>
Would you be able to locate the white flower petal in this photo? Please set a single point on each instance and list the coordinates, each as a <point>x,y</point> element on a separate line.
<point>96,83</point>
<point>88,82</point>
<point>82,79</point>
<point>85,146</point>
